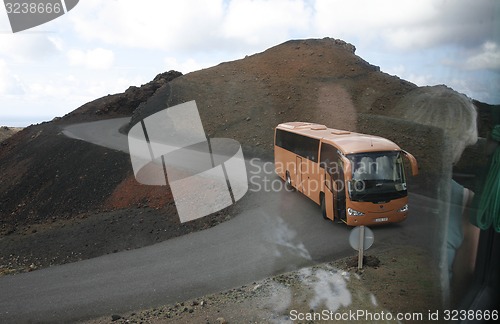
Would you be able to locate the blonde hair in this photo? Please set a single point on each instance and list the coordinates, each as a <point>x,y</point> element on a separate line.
<point>443,107</point>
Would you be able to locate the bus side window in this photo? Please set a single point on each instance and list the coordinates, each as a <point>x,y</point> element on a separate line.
<point>327,157</point>
<point>304,146</point>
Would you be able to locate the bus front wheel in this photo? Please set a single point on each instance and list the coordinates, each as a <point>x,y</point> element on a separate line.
<point>323,207</point>
<point>288,182</point>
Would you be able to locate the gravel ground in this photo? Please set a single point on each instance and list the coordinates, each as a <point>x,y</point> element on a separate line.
<point>397,280</point>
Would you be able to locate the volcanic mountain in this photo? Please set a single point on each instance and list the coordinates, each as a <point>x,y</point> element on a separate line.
<point>50,184</point>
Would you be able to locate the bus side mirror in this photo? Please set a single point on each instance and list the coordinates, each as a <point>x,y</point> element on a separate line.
<point>413,163</point>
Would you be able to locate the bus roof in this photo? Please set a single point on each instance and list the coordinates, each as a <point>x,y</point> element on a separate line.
<point>346,141</point>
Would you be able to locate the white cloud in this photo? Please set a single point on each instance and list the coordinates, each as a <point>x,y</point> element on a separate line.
<point>9,82</point>
<point>42,99</point>
<point>403,72</point>
<point>488,58</point>
<point>372,21</point>
<point>398,70</point>
<point>93,59</point>
<point>80,90</point>
<point>193,25</point>
<point>421,79</point>
<point>58,42</point>
<point>407,24</point>
<point>259,22</point>
<point>254,25</point>
<point>148,24</point>
<point>23,48</point>
<point>185,66</point>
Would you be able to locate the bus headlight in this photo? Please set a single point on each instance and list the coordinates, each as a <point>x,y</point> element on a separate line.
<point>353,212</point>
<point>404,208</point>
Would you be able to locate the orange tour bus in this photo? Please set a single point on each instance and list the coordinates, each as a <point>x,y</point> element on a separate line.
<point>356,178</point>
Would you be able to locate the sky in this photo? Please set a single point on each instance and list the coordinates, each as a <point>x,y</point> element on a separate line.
<point>102,47</point>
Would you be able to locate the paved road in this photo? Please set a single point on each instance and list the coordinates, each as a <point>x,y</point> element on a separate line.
<point>276,231</point>
<point>104,133</point>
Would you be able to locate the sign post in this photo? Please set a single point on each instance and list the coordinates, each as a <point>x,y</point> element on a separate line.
<point>361,243</point>
<point>361,239</point>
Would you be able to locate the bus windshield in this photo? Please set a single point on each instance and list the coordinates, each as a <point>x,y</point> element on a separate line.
<point>377,176</point>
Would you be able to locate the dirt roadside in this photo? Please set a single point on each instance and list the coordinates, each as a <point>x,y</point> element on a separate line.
<point>393,281</point>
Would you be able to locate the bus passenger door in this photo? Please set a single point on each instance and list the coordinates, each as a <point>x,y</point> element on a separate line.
<point>329,195</point>
<point>298,174</point>
<point>339,190</point>
<point>327,161</point>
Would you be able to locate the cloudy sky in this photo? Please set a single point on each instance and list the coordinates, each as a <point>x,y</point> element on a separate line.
<point>104,46</point>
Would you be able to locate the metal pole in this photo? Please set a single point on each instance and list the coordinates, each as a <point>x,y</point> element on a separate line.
<point>361,246</point>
